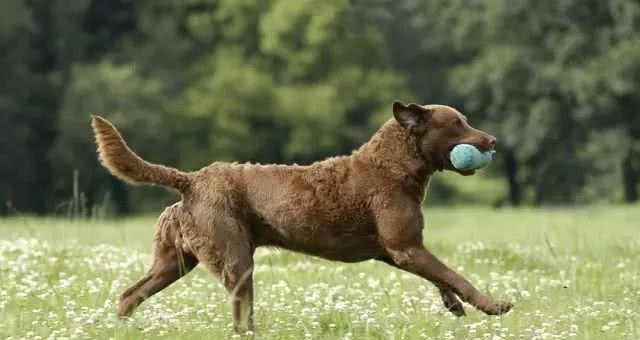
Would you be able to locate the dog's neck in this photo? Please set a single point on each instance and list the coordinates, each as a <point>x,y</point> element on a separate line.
<point>397,151</point>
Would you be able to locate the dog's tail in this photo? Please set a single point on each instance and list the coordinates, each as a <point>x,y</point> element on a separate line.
<point>116,156</point>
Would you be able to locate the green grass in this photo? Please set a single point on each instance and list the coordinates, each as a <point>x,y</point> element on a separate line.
<point>572,273</point>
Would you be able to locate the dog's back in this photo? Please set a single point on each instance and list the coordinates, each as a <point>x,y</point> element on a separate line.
<point>320,209</point>
<point>324,209</point>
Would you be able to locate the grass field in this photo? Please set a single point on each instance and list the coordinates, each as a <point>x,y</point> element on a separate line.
<point>572,273</point>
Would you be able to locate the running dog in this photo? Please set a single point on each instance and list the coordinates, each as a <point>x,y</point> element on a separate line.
<point>367,205</point>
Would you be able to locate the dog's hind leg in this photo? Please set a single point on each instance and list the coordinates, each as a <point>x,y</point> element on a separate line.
<point>227,253</point>
<point>235,269</point>
<point>169,264</point>
<point>239,282</point>
<point>166,269</point>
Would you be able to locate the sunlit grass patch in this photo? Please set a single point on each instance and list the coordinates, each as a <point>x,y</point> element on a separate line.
<point>563,284</point>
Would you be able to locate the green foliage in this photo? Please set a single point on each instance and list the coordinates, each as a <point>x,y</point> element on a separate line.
<point>190,82</point>
<point>535,73</point>
<point>292,103</point>
<point>136,104</point>
<point>237,114</point>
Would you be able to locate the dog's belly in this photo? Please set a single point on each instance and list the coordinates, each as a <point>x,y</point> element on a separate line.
<point>349,241</point>
<point>352,249</point>
<point>345,247</point>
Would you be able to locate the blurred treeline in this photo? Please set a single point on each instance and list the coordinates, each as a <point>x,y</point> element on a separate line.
<point>193,81</point>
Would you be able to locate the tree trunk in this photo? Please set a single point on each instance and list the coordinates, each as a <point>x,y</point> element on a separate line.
<point>121,197</point>
<point>629,179</point>
<point>43,107</point>
<point>511,171</point>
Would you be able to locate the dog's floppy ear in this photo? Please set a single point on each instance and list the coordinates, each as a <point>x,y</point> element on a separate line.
<point>412,117</point>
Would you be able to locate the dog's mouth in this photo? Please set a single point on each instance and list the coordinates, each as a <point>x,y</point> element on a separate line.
<point>449,166</point>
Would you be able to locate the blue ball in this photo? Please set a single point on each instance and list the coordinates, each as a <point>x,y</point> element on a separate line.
<point>468,157</point>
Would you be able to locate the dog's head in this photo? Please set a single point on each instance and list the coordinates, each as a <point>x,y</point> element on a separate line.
<point>438,129</point>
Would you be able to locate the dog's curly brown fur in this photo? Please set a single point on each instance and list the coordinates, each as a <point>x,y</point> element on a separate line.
<point>351,208</point>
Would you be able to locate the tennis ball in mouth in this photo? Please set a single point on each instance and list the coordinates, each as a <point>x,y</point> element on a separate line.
<point>468,157</point>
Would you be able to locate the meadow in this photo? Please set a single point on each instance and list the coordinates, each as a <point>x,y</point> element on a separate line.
<point>572,273</point>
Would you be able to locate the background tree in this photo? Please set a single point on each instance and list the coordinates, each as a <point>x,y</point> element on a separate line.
<point>191,82</point>
<point>606,86</point>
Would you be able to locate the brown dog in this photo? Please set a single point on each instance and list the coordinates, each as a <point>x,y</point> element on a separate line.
<point>351,208</point>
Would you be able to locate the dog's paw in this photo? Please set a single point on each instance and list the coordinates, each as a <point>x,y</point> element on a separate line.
<point>452,303</point>
<point>457,309</point>
<point>498,308</point>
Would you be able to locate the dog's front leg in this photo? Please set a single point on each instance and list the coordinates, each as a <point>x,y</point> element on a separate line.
<point>418,260</point>
<point>449,297</point>
<point>400,234</point>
